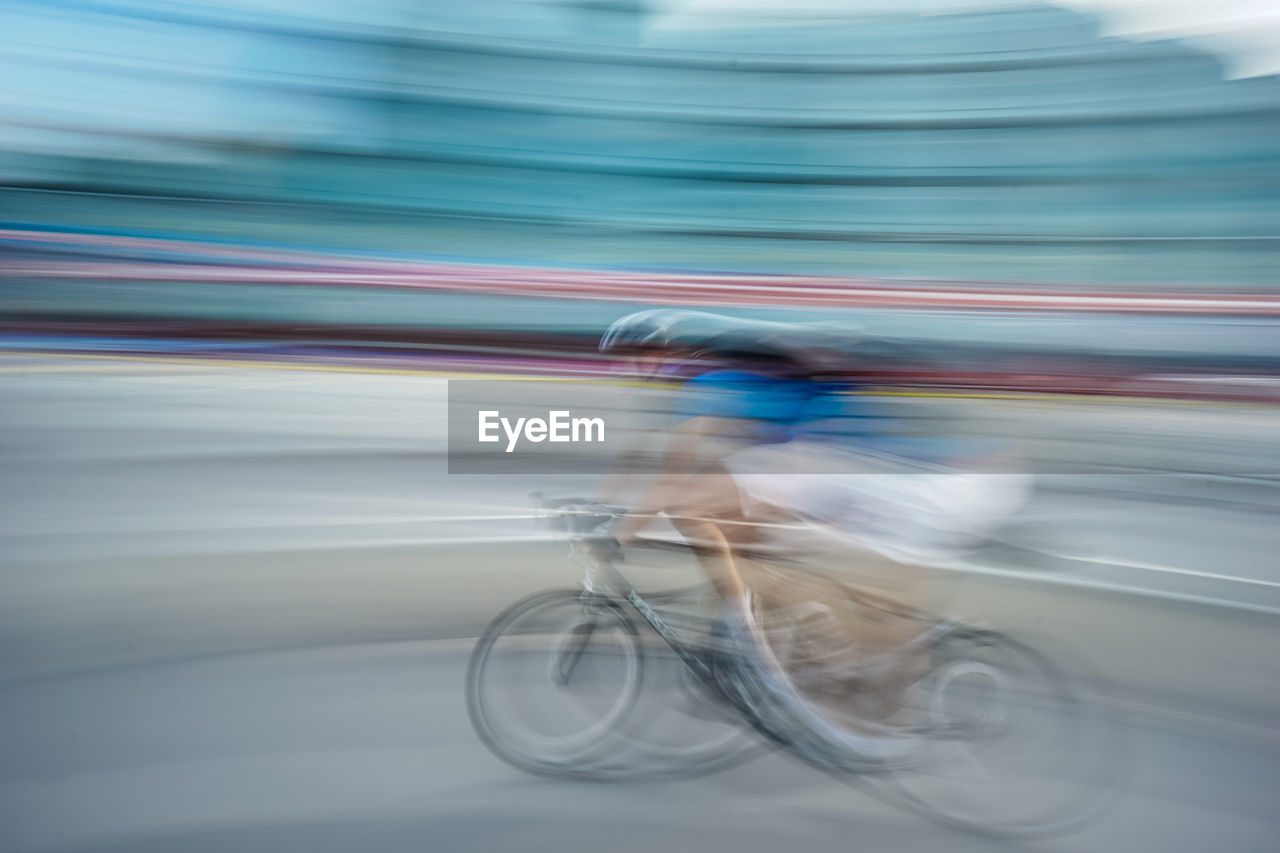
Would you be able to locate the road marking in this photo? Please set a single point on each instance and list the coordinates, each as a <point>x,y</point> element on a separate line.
<point>958,566</point>
<point>1028,576</point>
<point>1108,586</point>
<point>1154,567</point>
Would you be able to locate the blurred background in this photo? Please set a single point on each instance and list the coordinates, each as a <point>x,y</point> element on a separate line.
<point>245,246</point>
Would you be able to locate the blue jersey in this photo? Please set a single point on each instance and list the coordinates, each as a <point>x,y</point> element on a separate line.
<point>773,405</point>
<point>780,409</point>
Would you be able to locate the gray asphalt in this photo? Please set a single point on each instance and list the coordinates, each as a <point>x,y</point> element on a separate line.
<point>234,607</point>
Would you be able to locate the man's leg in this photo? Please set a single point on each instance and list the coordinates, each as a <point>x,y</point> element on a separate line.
<point>709,516</point>
<point>841,640</point>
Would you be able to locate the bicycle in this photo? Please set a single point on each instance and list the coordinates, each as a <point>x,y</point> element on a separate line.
<point>969,689</point>
<point>581,632</point>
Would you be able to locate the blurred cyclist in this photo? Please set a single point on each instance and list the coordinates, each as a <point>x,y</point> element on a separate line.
<point>745,391</point>
<point>766,433</point>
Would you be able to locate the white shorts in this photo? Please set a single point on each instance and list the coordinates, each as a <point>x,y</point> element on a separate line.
<point>905,511</point>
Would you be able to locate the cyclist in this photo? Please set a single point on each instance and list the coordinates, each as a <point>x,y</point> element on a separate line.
<point>745,391</point>
<point>765,433</point>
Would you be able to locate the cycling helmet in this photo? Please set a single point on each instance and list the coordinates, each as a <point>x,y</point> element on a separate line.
<point>663,328</point>
<point>822,346</point>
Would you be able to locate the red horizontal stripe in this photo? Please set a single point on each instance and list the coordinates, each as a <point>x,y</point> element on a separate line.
<point>300,268</point>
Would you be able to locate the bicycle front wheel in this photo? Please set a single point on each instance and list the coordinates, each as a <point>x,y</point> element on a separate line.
<point>552,679</point>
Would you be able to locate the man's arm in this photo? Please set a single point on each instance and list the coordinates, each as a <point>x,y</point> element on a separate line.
<point>679,463</point>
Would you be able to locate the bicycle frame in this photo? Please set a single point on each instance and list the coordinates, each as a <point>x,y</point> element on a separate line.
<point>602,579</point>
<point>599,573</point>
<point>720,670</point>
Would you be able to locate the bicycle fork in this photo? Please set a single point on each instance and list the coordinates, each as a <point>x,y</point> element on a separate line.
<point>575,645</point>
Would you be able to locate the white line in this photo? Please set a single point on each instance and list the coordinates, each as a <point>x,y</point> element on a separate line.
<point>974,569</point>
<point>1152,567</point>
<point>962,566</point>
<point>1104,586</point>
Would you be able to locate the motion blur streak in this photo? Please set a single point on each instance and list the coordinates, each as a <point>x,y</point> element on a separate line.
<point>243,245</point>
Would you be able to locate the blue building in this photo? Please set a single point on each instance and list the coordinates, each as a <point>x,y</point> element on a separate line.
<point>1013,145</point>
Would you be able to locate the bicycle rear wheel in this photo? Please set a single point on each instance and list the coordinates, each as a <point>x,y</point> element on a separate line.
<point>1012,748</point>
<point>552,679</point>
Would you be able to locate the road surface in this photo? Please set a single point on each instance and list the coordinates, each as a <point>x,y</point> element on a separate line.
<point>235,607</point>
